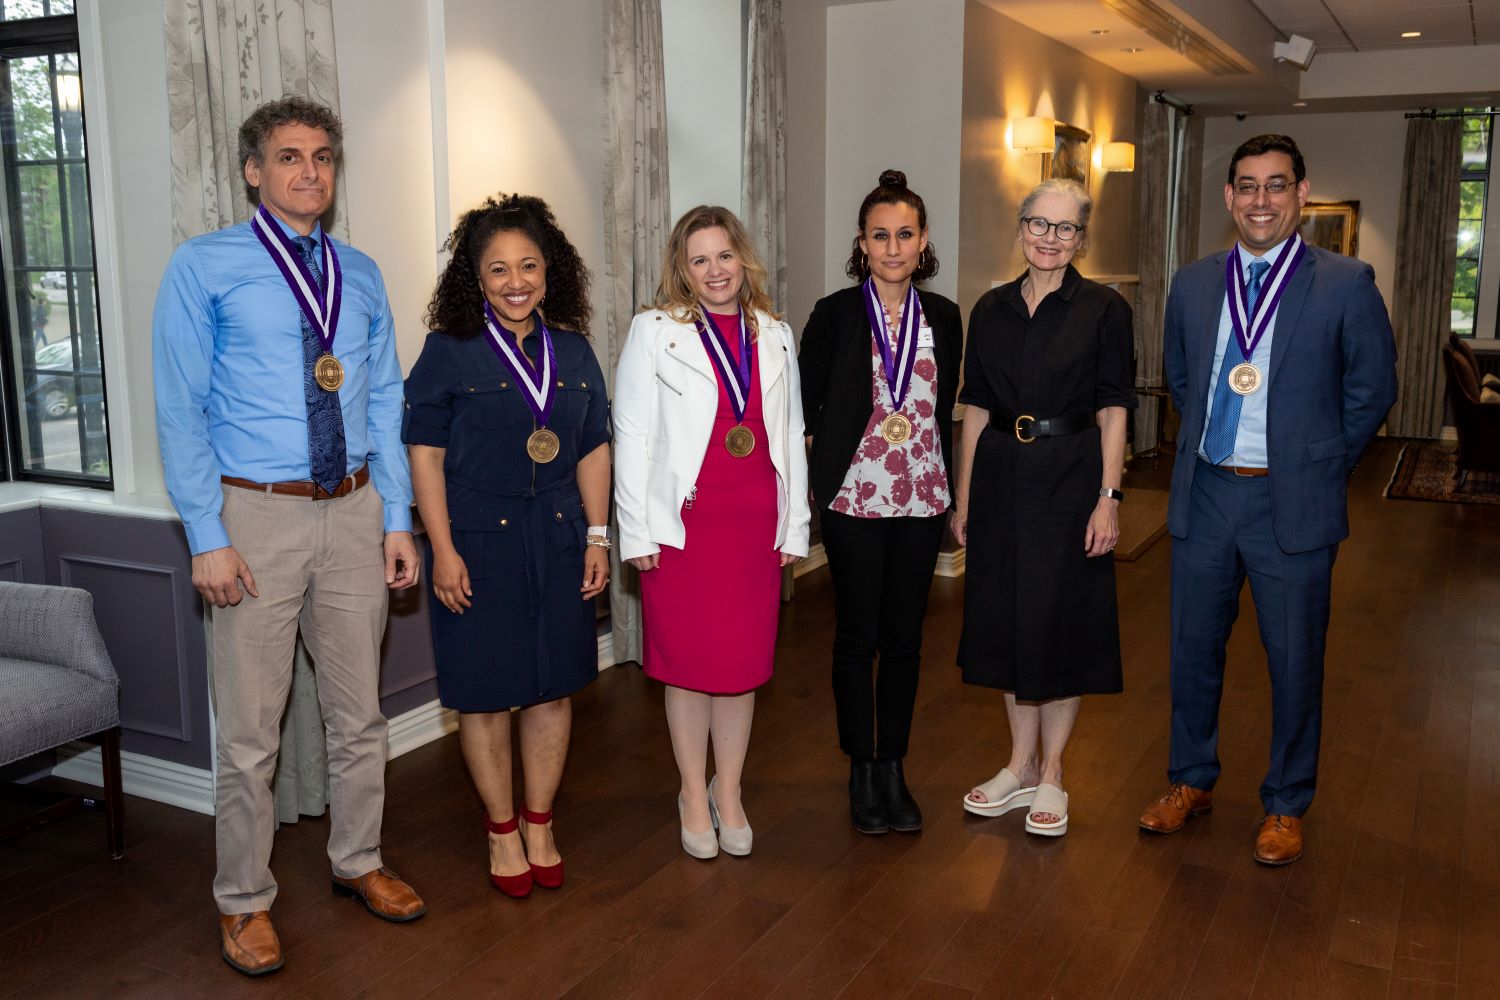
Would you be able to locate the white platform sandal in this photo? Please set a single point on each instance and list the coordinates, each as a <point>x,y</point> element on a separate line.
<point>1002,793</point>
<point>1049,799</point>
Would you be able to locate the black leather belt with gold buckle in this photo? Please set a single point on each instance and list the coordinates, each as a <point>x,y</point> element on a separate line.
<point>1028,428</point>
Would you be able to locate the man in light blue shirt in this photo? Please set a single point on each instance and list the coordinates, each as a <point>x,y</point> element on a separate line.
<point>278,405</point>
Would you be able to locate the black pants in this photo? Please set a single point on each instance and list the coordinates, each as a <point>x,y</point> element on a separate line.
<point>882,572</point>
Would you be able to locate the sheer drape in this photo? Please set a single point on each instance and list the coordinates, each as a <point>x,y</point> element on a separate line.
<point>1168,163</point>
<point>224,59</point>
<point>763,193</point>
<point>637,221</point>
<point>1426,256</point>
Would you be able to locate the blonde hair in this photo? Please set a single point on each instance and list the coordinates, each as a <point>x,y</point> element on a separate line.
<point>675,295</point>
<point>1065,186</point>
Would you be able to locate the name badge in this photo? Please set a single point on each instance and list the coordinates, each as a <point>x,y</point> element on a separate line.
<point>924,338</point>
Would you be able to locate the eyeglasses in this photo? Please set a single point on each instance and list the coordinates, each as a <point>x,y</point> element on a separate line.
<point>1274,186</point>
<point>1067,232</point>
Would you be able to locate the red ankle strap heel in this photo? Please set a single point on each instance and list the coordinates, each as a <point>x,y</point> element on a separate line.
<point>546,876</point>
<point>514,886</point>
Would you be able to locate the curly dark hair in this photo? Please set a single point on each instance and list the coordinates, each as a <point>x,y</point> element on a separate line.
<point>892,190</point>
<point>457,304</point>
<point>293,109</point>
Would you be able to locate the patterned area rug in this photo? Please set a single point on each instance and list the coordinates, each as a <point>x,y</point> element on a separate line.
<point>1426,470</point>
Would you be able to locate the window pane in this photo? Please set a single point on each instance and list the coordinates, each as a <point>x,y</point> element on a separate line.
<point>1470,238</point>
<point>1466,278</point>
<point>1471,200</point>
<point>31,94</point>
<point>19,10</point>
<point>1461,317</point>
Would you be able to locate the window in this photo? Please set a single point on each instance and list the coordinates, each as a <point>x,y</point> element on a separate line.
<point>1472,186</point>
<point>55,414</point>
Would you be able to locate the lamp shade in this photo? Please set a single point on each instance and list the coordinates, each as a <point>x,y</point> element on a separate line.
<point>1033,135</point>
<point>1119,157</point>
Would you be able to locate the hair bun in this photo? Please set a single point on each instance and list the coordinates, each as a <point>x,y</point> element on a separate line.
<point>893,179</point>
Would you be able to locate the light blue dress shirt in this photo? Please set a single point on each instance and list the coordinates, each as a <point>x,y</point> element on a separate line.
<point>1250,443</point>
<point>227,358</point>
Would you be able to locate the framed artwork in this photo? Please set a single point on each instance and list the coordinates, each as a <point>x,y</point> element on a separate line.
<point>1332,225</point>
<point>1070,155</point>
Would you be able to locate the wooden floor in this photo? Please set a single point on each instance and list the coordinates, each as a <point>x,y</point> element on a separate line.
<point>1398,894</point>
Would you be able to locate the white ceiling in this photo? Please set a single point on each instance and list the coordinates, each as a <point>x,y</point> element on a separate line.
<point>1370,25</point>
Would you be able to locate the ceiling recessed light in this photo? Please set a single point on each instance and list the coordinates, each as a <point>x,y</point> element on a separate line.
<point>1299,104</point>
<point>1132,50</point>
<point>1099,31</point>
<point>1411,34</point>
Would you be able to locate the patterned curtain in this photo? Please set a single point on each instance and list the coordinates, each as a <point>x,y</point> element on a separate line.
<point>1168,163</point>
<point>763,196</point>
<point>637,221</point>
<point>1426,256</point>
<point>224,59</point>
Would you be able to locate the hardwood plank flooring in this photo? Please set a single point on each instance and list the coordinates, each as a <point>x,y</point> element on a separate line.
<point>1398,895</point>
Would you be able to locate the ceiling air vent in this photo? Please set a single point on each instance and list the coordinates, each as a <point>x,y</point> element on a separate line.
<point>1177,36</point>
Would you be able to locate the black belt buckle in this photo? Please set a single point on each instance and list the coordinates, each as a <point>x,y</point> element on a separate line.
<point>1019,421</point>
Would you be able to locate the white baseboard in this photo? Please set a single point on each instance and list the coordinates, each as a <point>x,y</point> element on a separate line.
<point>951,563</point>
<point>606,651</point>
<point>816,559</point>
<point>178,785</point>
<point>419,727</point>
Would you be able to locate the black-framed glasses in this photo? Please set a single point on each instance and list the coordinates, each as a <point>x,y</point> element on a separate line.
<point>1066,232</point>
<point>1274,186</point>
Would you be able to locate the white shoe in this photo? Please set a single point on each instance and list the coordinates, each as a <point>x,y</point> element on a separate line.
<point>1053,800</point>
<point>1002,793</point>
<point>734,840</point>
<point>700,845</point>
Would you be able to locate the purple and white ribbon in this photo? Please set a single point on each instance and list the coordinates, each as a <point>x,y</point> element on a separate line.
<point>734,374</point>
<point>1249,329</point>
<point>898,358</point>
<point>540,390</point>
<point>322,313</point>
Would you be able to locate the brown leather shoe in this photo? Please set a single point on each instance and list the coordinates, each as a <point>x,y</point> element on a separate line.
<point>1279,841</point>
<point>384,893</point>
<point>1170,813</point>
<point>250,942</point>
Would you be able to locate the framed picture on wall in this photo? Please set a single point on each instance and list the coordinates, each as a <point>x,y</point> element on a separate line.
<point>1070,155</point>
<point>1332,225</point>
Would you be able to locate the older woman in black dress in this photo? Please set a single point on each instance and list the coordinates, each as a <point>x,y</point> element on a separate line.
<point>879,375</point>
<point>508,427</point>
<point>1047,385</point>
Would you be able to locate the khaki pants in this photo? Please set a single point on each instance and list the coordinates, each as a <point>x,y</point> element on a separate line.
<point>319,565</point>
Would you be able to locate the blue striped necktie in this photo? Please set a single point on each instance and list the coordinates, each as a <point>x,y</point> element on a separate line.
<point>1224,421</point>
<point>325,417</point>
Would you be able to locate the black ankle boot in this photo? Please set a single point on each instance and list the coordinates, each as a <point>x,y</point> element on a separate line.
<point>901,809</point>
<point>866,804</point>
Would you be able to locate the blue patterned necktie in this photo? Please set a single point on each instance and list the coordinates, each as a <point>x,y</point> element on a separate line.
<point>1224,421</point>
<point>325,417</point>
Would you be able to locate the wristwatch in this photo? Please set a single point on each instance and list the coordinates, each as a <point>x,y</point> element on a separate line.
<point>1112,494</point>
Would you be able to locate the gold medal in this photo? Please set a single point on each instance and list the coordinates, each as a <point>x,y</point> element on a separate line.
<point>895,428</point>
<point>740,441</point>
<point>542,446</point>
<point>1244,378</point>
<point>328,373</point>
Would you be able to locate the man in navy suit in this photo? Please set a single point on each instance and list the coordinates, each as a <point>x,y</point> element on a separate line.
<point>1281,360</point>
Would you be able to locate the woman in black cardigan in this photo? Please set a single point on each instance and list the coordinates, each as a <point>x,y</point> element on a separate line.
<point>880,367</point>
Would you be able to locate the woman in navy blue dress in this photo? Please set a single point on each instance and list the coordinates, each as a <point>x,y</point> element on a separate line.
<point>507,422</point>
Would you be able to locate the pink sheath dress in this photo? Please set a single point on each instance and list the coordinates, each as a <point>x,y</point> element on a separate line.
<point>709,610</point>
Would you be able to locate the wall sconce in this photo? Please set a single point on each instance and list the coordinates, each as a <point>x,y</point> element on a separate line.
<point>1033,135</point>
<point>1119,157</point>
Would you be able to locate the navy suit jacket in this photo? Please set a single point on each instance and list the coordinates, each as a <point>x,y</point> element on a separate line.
<point>1332,378</point>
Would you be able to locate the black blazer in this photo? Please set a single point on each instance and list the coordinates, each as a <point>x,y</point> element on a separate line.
<point>835,366</point>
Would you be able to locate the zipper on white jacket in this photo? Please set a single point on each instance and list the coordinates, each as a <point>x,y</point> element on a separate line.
<point>669,385</point>
<point>692,495</point>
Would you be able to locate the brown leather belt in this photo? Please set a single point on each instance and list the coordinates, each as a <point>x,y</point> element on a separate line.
<point>304,488</point>
<point>1241,470</point>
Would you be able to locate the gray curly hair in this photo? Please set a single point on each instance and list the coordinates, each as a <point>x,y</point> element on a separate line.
<point>294,109</point>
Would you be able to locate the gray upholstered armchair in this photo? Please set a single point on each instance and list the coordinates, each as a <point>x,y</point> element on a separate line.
<point>57,685</point>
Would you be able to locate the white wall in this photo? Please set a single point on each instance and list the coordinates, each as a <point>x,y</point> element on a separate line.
<point>805,23</point>
<point>703,44</point>
<point>1352,156</point>
<point>894,100</point>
